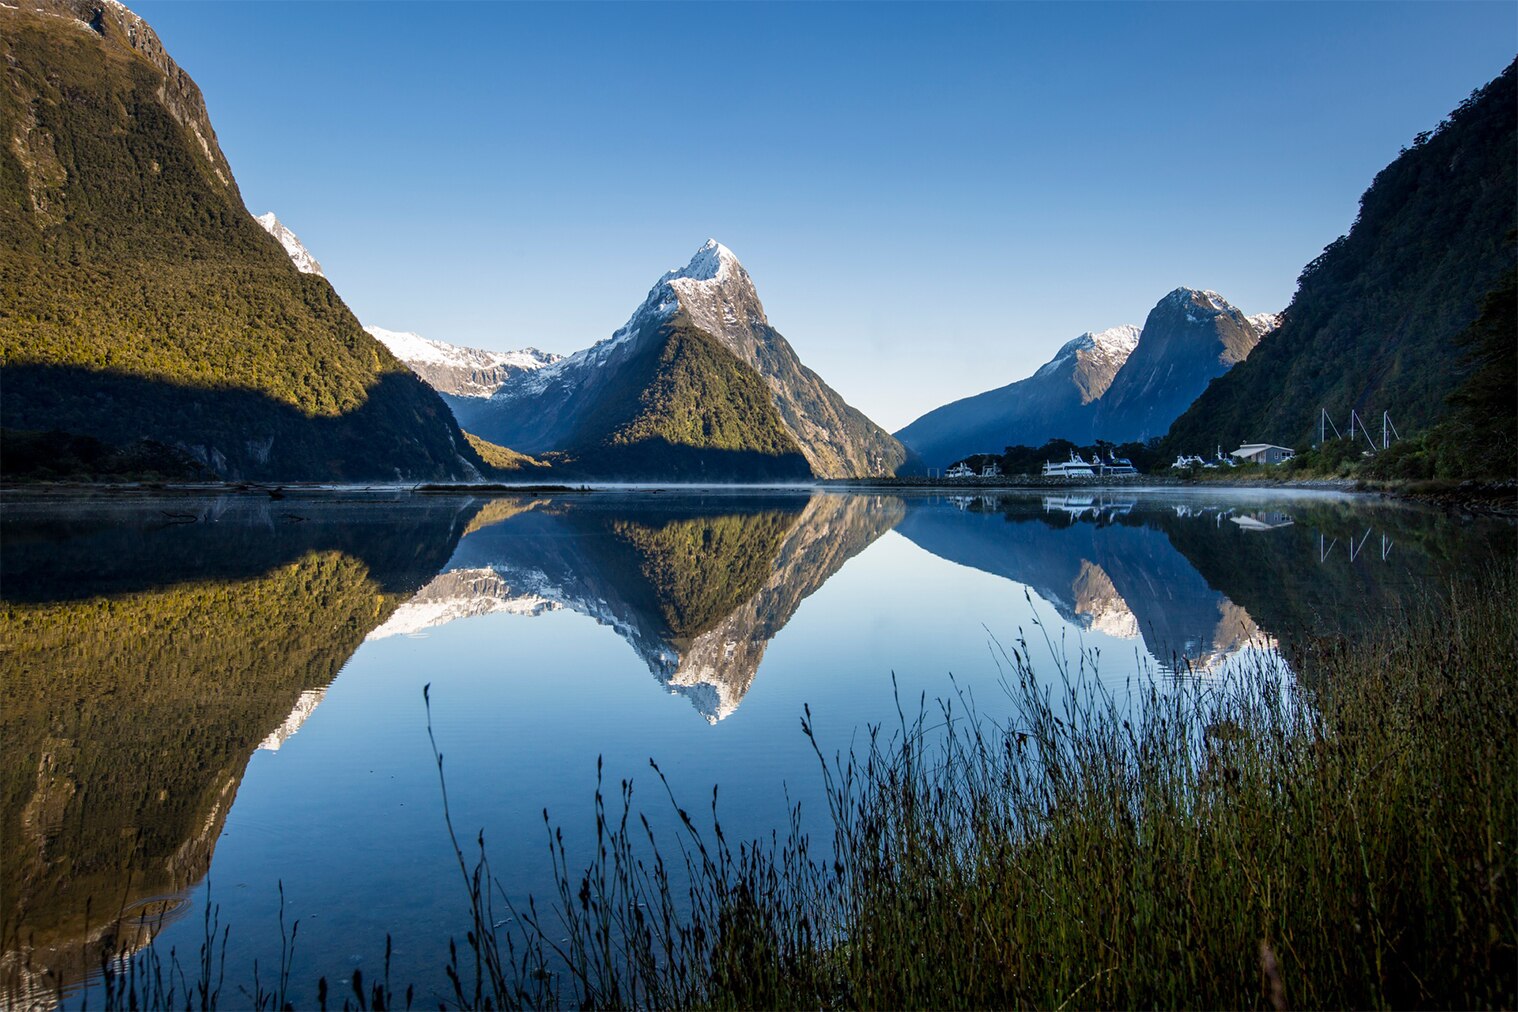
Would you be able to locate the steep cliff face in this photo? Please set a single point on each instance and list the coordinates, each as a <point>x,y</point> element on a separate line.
<point>144,302</point>
<point>1189,339</point>
<point>710,303</point>
<point>178,93</point>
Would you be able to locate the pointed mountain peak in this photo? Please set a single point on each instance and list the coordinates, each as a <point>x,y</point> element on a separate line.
<point>713,290</point>
<point>299,255</point>
<point>712,262</point>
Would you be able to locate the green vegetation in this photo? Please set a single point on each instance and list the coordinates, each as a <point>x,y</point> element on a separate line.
<point>703,568</point>
<point>701,395</point>
<point>502,458</point>
<point>1374,321</point>
<point>143,302</point>
<point>1478,439</point>
<point>1212,844</point>
<point>687,409</point>
<point>128,721</point>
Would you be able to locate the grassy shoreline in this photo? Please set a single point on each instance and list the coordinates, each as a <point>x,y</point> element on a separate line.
<point>1340,838</point>
<point>1346,842</point>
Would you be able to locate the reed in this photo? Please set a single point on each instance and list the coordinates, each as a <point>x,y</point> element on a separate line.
<point>1339,834</point>
<point>1340,838</point>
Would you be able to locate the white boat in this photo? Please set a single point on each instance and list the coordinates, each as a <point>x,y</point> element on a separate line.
<point>1075,467</point>
<point>1183,462</point>
<point>1074,506</point>
<point>1114,466</point>
<point>960,471</point>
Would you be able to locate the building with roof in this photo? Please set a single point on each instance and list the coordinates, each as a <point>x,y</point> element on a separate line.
<point>1263,453</point>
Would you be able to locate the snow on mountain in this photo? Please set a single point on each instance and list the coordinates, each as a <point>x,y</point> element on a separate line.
<point>460,594</point>
<point>1264,323</point>
<point>1094,358</point>
<point>551,407</point>
<point>462,372</point>
<point>701,287</point>
<point>299,255</point>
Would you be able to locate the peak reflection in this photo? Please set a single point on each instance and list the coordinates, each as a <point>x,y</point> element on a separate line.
<point>698,586</point>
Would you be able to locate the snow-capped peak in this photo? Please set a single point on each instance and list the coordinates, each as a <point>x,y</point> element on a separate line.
<point>299,255</point>
<point>1264,323</point>
<point>1119,340</point>
<point>464,372</point>
<point>712,289</point>
<point>712,262</point>
<point>415,349</point>
<point>1114,343</point>
<point>1219,303</point>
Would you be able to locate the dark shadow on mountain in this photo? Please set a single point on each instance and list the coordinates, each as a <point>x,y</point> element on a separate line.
<point>661,460</point>
<point>401,432</point>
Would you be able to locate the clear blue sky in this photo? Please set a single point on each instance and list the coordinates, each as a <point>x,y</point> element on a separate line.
<point>930,198</point>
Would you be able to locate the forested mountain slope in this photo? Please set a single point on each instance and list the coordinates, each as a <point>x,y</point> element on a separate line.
<point>141,299</point>
<point>1374,322</point>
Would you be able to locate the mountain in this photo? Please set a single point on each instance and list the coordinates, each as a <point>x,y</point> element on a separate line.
<point>1189,339</point>
<point>143,301</point>
<point>1122,384</point>
<point>462,376</point>
<point>299,255</point>
<point>696,383</point>
<point>1052,403</point>
<point>471,374</point>
<point>1374,322</point>
<point>1264,323</point>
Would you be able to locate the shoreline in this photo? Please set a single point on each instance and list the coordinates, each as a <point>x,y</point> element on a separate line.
<point>1477,497</point>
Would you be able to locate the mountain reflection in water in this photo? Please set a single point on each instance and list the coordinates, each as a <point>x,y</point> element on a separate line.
<point>152,645</point>
<point>698,594</point>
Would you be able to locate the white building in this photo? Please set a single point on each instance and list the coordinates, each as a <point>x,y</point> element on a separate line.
<point>1263,453</point>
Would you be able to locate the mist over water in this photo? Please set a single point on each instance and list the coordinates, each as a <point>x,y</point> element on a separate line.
<point>222,696</point>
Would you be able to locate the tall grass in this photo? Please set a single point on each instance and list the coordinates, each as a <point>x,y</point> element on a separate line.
<point>1341,839</point>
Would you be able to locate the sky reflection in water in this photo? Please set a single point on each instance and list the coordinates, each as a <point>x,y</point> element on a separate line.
<point>155,645</point>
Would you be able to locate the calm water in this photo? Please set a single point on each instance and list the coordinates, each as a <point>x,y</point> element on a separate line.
<point>209,698</point>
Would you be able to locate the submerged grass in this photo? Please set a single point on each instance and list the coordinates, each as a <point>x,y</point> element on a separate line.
<point>1342,839</point>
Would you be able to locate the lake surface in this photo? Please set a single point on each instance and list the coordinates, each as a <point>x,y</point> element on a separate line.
<point>212,699</point>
